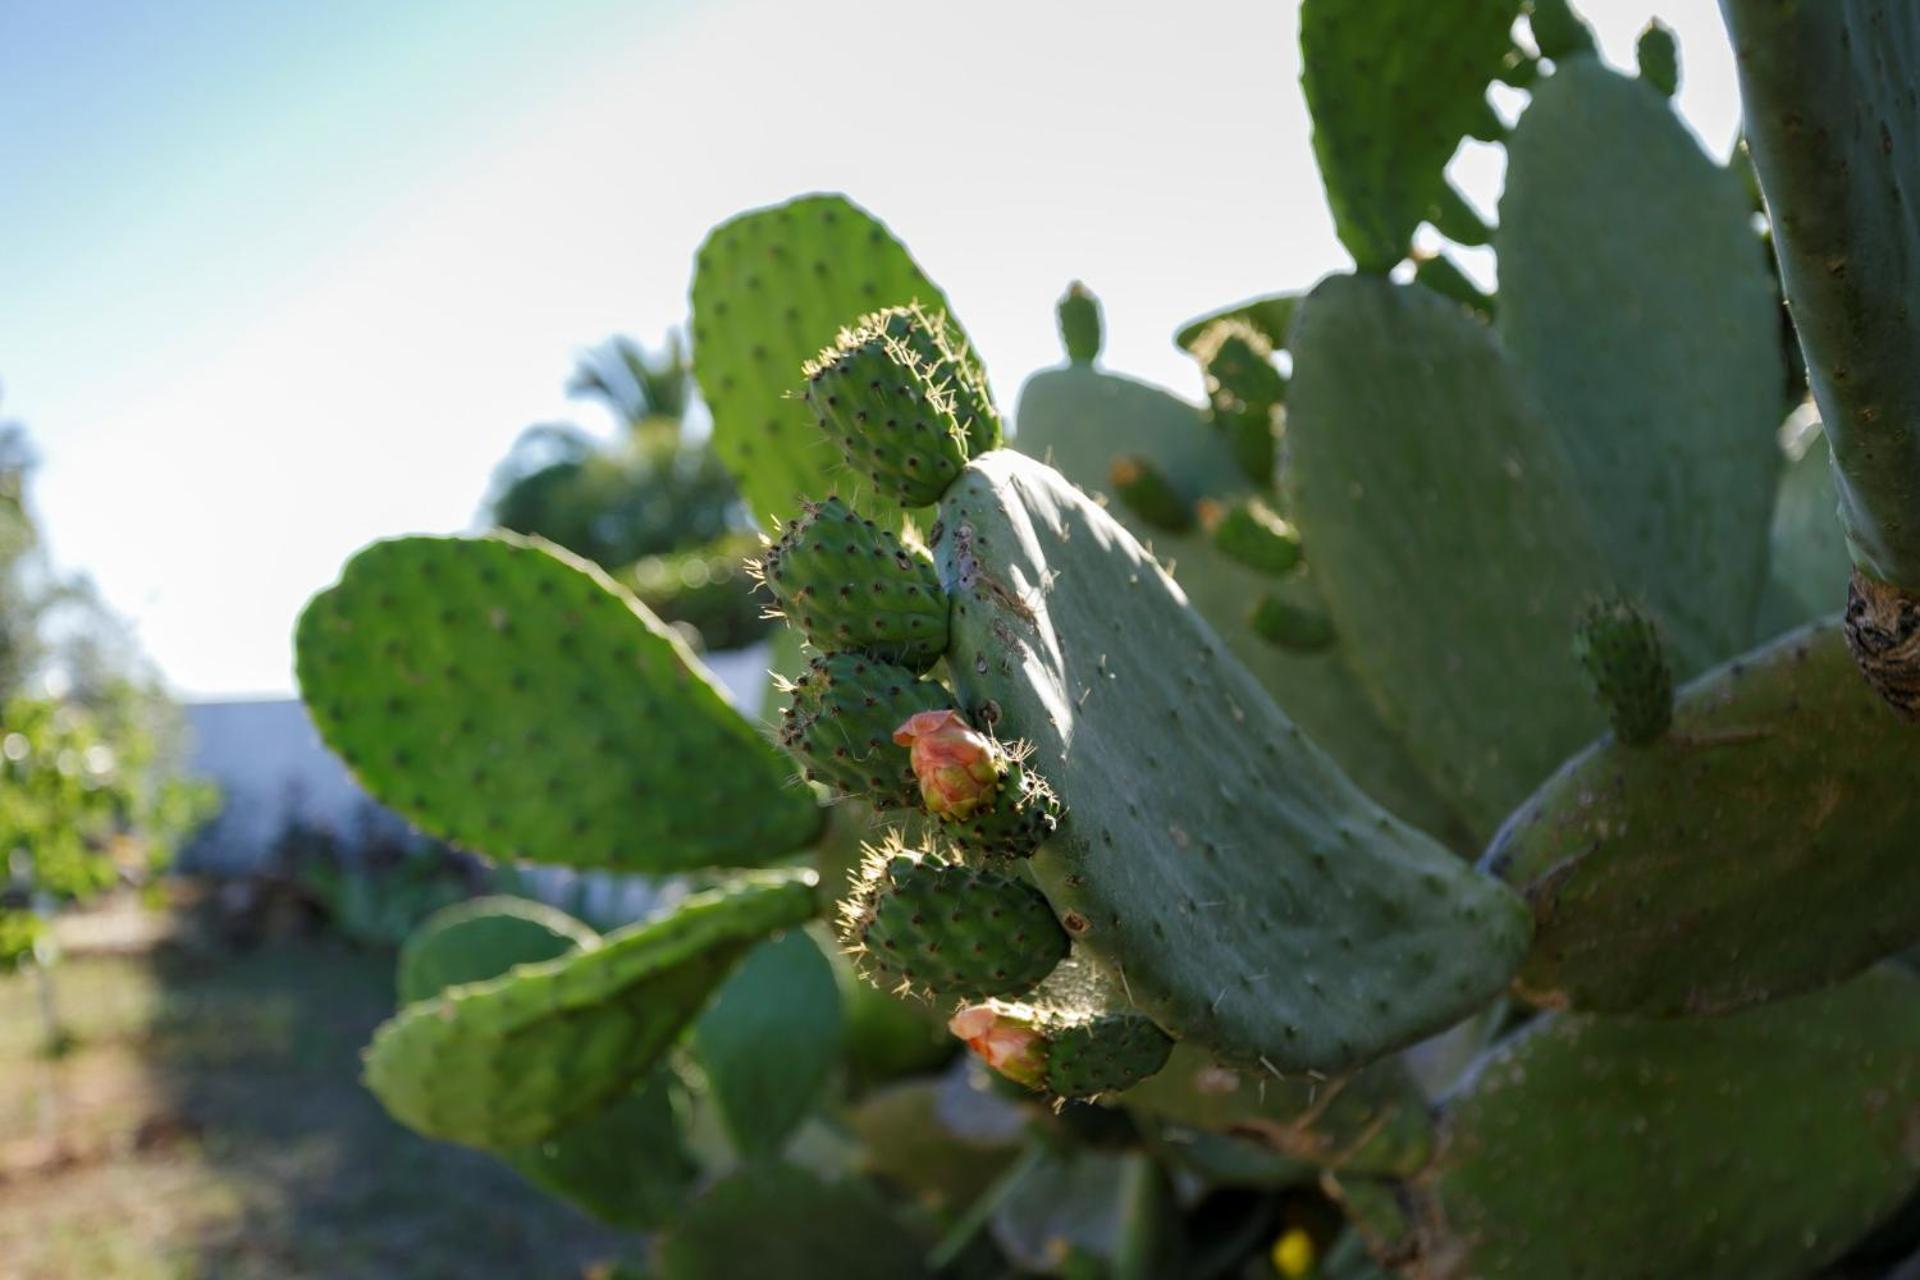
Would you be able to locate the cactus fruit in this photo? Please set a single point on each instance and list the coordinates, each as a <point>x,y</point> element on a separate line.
<point>1612,214</point>
<point>899,415</point>
<point>1193,809</point>
<point>1248,531</point>
<point>1079,315</point>
<point>1752,1147</point>
<point>840,720</point>
<point>510,1061</point>
<point>1829,130</point>
<point>945,930</point>
<point>1065,1054</point>
<point>509,697</point>
<point>1146,492</point>
<point>1392,87</point>
<point>1762,847</point>
<point>1619,647</point>
<point>771,289</point>
<point>851,586</point>
<point>1022,816</point>
<point>1245,394</point>
<point>1291,627</point>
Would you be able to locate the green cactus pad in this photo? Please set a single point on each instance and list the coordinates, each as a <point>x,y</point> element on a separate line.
<point>1079,314</point>
<point>779,1220</point>
<point>1245,395</point>
<point>1447,535</point>
<point>1808,560</point>
<point>1079,420</point>
<point>1314,930</point>
<point>852,586</point>
<point>1764,846</point>
<point>1639,310</point>
<point>506,696</point>
<point>1657,54</point>
<point>1452,216</point>
<point>1441,274</point>
<point>483,938</point>
<point>1620,648</point>
<point>947,930</point>
<point>1374,1121</point>
<point>1393,85</point>
<point>1558,31</point>
<point>839,724</point>
<point>891,411</point>
<point>1751,1147</point>
<point>771,289</point>
<point>1271,316</point>
<point>510,1061</point>
<point>1248,531</point>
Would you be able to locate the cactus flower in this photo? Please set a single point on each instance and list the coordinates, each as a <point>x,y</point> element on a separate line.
<point>958,768</point>
<point>1012,1048</point>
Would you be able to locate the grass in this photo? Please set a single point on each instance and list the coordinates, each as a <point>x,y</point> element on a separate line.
<point>208,1122</point>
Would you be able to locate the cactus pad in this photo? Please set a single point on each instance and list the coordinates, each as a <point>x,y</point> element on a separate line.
<point>508,697</point>
<point>1316,932</point>
<point>769,1220</point>
<point>1446,533</point>
<point>510,1061</point>
<point>1762,847</point>
<point>892,410</point>
<point>1620,648</point>
<point>1079,315</point>
<point>483,938</point>
<point>1393,85</point>
<point>839,724</point>
<point>1639,311</point>
<point>770,290</point>
<point>852,586</point>
<point>1751,1147</point>
<point>939,928</point>
<point>1245,394</point>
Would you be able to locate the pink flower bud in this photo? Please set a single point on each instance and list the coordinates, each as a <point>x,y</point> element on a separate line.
<point>958,768</point>
<point>1012,1048</point>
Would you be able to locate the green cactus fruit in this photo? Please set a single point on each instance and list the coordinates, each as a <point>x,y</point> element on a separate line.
<point>939,352</point>
<point>771,288</point>
<point>1762,847</point>
<point>1619,646</point>
<point>1193,809</point>
<point>948,931</point>
<point>1249,532</point>
<point>1069,1055</point>
<point>1392,86</point>
<point>895,419</point>
<point>1290,627</point>
<point>1270,316</point>
<point>1374,1121</point>
<point>1079,314</point>
<point>1829,130</point>
<point>1558,31</point>
<point>1613,215</point>
<point>853,587</point>
<point>1078,419</point>
<point>1022,815</point>
<point>1403,402</point>
<point>768,1220</point>
<point>1441,274</point>
<point>1245,395</point>
<point>840,720</point>
<point>508,1062</point>
<point>507,696</point>
<point>483,938</point>
<point>1757,1146</point>
<point>1658,55</point>
<point>1146,491</point>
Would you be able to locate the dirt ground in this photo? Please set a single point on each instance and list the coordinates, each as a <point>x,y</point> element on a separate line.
<point>207,1121</point>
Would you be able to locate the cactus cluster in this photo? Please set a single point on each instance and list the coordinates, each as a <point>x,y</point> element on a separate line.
<point>1152,759</point>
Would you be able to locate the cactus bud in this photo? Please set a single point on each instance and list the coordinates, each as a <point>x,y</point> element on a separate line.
<point>1071,1055</point>
<point>1620,649</point>
<point>1251,533</point>
<point>1290,627</point>
<point>958,767</point>
<point>1012,1048</point>
<point>1079,313</point>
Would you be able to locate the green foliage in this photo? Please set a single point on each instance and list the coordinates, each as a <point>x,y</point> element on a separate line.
<point>707,588</point>
<point>780,1220</point>
<point>514,700</point>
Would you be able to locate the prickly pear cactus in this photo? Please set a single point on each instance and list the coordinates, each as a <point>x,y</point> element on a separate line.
<point>1760,847</point>
<point>483,938</point>
<point>507,1062</point>
<point>1074,1037</point>
<point>509,697</point>
<point>850,585</point>
<point>1315,931</point>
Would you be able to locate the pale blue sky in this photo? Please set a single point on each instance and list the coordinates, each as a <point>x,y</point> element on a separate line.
<point>279,279</point>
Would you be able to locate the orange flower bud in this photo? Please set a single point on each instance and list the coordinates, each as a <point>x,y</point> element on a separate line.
<point>957,767</point>
<point>1012,1048</point>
